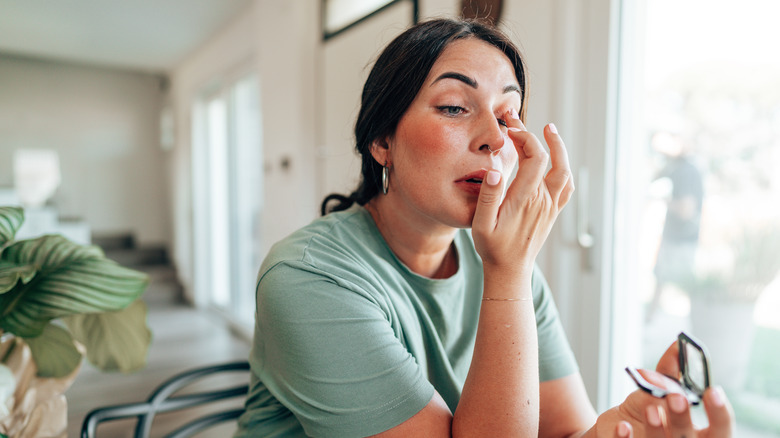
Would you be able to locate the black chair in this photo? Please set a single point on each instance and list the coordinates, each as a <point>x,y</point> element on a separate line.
<point>163,400</point>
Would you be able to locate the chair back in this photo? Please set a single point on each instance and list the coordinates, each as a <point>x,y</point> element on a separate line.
<point>165,399</point>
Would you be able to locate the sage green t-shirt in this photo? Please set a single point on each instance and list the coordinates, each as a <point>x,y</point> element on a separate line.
<point>349,342</point>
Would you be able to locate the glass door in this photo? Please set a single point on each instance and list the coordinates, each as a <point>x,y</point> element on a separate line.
<point>697,217</point>
<point>227,161</point>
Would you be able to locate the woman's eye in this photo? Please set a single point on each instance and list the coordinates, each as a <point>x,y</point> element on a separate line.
<point>451,110</point>
<point>502,122</point>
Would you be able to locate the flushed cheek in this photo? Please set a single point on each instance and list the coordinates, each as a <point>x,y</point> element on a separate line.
<point>430,139</point>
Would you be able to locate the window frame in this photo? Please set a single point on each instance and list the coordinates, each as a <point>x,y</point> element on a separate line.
<point>330,33</point>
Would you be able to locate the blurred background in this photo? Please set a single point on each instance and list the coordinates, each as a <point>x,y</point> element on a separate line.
<point>187,136</point>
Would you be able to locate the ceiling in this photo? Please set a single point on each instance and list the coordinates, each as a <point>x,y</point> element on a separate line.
<point>146,35</point>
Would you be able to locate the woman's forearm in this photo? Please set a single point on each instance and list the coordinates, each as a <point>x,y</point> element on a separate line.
<point>501,393</point>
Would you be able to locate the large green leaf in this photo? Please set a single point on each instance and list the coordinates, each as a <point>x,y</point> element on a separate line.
<point>71,279</point>
<point>114,340</point>
<point>10,274</point>
<point>11,219</point>
<point>54,352</point>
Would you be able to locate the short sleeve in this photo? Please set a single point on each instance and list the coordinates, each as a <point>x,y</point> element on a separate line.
<point>328,352</point>
<point>556,359</point>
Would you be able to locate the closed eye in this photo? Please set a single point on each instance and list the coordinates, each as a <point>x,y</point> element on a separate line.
<point>451,110</point>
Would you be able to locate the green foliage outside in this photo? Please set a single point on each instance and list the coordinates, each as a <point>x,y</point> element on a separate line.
<point>758,404</point>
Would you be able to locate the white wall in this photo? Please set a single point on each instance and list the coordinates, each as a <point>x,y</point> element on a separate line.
<point>104,125</point>
<point>276,41</point>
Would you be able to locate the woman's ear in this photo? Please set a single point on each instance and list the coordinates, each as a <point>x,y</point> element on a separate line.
<point>380,150</point>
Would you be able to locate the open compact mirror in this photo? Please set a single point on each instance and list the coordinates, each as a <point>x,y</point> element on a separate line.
<point>694,373</point>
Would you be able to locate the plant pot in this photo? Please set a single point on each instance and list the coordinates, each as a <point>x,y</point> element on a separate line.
<point>38,407</point>
<point>726,329</point>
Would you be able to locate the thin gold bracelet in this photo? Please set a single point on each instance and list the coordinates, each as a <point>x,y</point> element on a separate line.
<point>506,299</point>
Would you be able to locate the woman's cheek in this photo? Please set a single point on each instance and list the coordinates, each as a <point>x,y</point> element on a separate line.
<point>431,136</point>
<point>441,139</point>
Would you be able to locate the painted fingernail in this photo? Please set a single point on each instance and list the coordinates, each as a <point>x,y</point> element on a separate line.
<point>717,397</point>
<point>513,114</point>
<point>623,430</point>
<point>553,129</point>
<point>653,416</point>
<point>677,403</point>
<point>493,177</point>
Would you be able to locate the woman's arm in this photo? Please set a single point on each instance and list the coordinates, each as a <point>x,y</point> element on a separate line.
<point>501,392</point>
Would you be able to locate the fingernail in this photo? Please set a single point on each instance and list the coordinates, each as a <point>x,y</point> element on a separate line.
<point>677,404</point>
<point>513,113</point>
<point>553,129</point>
<point>493,177</point>
<point>717,397</point>
<point>623,430</point>
<point>653,416</point>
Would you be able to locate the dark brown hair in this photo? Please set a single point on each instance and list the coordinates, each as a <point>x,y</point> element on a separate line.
<point>394,81</point>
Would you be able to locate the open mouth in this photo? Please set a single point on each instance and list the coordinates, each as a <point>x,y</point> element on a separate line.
<point>472,183</point>
<point>473,177</point>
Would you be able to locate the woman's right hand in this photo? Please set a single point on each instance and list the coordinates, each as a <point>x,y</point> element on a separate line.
<point>508,234</point>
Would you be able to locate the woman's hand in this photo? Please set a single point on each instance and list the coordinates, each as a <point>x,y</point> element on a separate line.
<point>644,416</point>
<point>508,235</point>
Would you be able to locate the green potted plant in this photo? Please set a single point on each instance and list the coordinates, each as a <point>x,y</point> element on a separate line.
<point>60,301</point>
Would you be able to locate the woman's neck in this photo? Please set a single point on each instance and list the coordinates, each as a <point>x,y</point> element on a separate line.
<point>427,250</point>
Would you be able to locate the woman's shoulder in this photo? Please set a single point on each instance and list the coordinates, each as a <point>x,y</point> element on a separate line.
<point>340,237</point>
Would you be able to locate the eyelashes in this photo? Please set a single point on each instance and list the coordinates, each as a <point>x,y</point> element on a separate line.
<point>455,110</point>
<point>451,110</point>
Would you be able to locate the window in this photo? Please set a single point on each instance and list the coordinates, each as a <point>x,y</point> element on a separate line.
<point>697,236</point>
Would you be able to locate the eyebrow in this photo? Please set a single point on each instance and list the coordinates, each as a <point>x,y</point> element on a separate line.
<point>457,76</point>
<point>511,87</point>
<point>471,82</point>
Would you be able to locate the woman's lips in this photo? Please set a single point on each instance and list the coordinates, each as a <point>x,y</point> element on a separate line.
<point>472,182</point>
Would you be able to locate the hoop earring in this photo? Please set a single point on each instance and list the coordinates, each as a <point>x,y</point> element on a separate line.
<point>385,178</point>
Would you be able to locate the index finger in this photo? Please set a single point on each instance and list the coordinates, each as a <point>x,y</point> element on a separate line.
<point>514,124</point>
<point>532,158</point>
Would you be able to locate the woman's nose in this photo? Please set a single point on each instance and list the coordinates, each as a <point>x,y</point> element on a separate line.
<point>491,137</point>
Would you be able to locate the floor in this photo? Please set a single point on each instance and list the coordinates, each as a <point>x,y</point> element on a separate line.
<point>183,338</point>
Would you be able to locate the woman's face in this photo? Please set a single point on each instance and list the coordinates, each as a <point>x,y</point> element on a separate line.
<point>439,152</point>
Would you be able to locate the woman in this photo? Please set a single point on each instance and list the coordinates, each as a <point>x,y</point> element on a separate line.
<point>388,317</point>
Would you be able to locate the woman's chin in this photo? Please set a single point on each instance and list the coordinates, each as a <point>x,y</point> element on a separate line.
<point>467,219</point>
